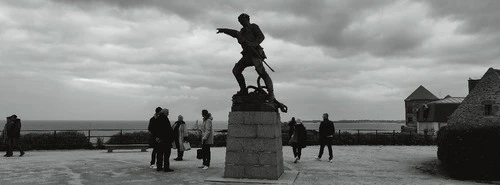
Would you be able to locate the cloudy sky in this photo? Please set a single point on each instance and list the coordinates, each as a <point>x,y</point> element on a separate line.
<point>119,59</point>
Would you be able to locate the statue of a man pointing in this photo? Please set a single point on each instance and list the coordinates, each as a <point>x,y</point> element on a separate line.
<point>250,37</point>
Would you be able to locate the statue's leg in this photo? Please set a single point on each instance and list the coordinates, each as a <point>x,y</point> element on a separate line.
<point>238,74</point>
<point>259,67</point>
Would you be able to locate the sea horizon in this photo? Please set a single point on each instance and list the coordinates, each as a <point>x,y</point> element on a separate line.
<point>217,124</point>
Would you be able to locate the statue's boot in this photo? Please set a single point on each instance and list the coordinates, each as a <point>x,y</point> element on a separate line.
<point>270,89</point>
<point>241,82</point>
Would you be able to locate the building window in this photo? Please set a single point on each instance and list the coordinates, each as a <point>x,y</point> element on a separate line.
<point>426,113</point>
<point>488,110</point>
<point>410,119</point>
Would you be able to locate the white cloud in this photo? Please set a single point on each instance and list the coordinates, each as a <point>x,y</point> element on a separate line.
<point>354,59</point>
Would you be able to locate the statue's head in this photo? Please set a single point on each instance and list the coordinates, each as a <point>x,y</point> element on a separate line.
<point>244,19</point>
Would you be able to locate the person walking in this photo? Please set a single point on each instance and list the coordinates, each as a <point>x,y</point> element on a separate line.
<point>207,137</point>
<point>180,136</point>
<point>5,134</point>
<point>163,133</point>
<point>291,126</point>
<point>298,140</point>
<point>152,141</point>
<point>12,132</point>
<point>326,132</point>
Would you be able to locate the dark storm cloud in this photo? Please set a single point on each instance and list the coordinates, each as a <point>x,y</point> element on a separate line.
<point>309,23</point>
<point>478,20</point>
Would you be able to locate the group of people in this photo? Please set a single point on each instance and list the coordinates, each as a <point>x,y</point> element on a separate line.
<point>298,135</point>
<point>164,136</point>
<point>11,135</point>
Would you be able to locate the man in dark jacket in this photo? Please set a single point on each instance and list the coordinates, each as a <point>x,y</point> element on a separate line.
<point>326,131</point>
<point>13,135</point>
<point>164,135</point>
<point>249,37</point>
<point>152,139</point>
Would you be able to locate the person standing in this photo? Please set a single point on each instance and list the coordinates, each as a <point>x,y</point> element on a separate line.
<point>13,133</point>
<point>5,134</point>
<point>164,136</point>
<point>207,137</point>
<point>152,140</point>
<point>180,136</point>
<point>298,140</point>
<point>326,131</point>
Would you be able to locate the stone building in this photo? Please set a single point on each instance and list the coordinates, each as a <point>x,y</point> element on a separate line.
<point>481,105</point>
<point>418,98</point>
<point>434,115</point>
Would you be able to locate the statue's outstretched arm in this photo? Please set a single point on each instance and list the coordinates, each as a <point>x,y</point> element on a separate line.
<point>230,32</point>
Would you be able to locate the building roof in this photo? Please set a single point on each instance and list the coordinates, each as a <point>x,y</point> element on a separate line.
<point>471,110</point>
<point>421,93</point>
<point>449,99</point>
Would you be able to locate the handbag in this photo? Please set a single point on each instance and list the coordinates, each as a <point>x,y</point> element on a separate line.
<point>293,139</point>
<point>200,153</point>
<point>187,146</point>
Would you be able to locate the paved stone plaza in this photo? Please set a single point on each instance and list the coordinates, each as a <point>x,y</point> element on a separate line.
<point>352,165</point>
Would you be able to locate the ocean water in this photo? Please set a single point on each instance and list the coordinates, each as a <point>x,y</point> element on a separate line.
<point>91,127</point>
<point>217,125</point>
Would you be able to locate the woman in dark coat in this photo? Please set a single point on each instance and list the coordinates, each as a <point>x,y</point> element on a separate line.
<point>298,140</point>
<point>164,135</point>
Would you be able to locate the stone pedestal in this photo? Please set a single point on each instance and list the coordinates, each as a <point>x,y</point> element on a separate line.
<point>254,149</point>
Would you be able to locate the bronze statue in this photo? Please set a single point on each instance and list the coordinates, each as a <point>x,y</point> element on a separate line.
<point>250,37</point>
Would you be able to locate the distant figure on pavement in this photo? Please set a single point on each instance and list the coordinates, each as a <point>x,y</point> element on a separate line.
<point>12,135</point>
<point>207,137</point>
<point>152,140</point>
<point>298,139</point>
<point>326,131</point>
<point>180,136</point>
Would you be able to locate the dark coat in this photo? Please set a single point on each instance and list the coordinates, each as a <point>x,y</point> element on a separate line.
<point>152,138</point>
<point>291,126</point>
<point>301,134</point>
<point>162,129</point>
<point>15,129</point>
<point>326,128</point>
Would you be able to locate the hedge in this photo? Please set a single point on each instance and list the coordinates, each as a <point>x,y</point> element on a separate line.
<point>51,141</point>
<point>470,151</point>
<point>347,138</point>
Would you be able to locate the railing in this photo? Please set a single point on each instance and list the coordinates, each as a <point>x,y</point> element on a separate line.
<point>372,137</point>
<point>355,136</point>
<point>101,133</point>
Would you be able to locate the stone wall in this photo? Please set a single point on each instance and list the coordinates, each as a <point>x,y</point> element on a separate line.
<point>472,109</point>
<point>254,146</point>
<point>410,111</point>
